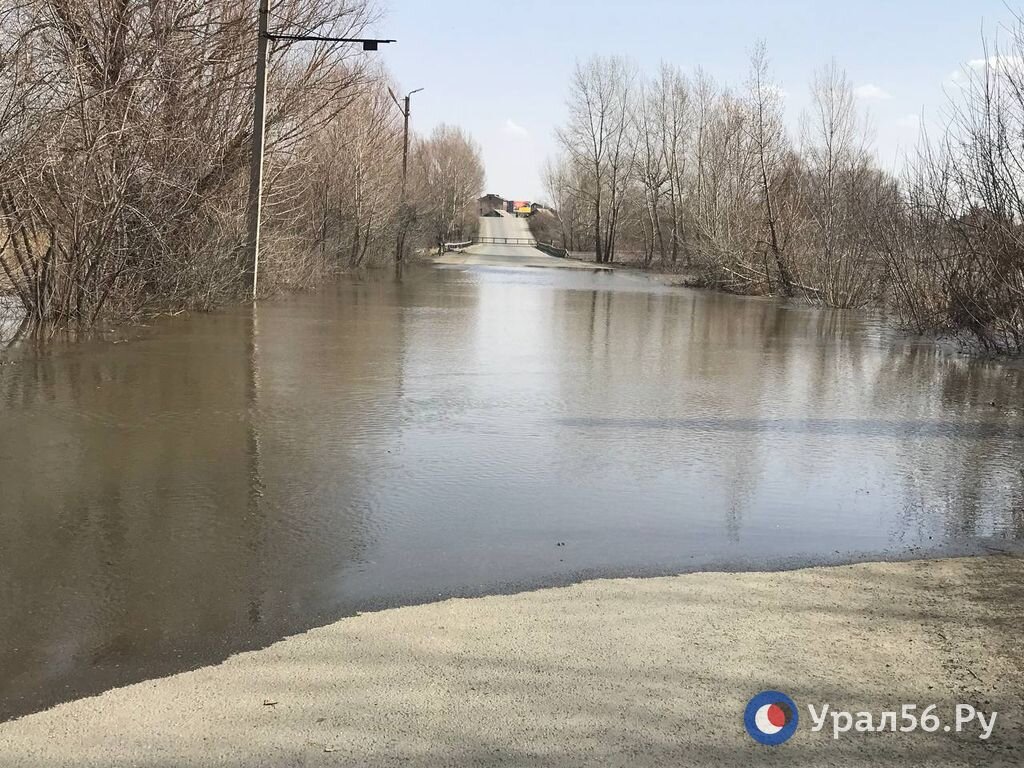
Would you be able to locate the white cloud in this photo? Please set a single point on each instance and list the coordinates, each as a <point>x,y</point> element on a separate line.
<point>994,64</point>
<point>911,122</point>
<point>515,129</point>
<point>997,63</point>
<point>871,91</point>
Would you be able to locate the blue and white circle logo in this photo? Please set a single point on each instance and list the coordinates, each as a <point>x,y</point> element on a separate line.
<point>771,718</point>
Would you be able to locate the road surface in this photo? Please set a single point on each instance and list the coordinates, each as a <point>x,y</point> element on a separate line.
<point>494,255</point>
<point>629,672</point>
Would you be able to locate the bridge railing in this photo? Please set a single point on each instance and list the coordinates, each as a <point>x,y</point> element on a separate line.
<point>524,241</point>
<point>552,250</point>
<point>527,242</point>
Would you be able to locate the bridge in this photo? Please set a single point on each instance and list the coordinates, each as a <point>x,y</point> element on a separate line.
<point>526,241</point>
<point>505,241</point>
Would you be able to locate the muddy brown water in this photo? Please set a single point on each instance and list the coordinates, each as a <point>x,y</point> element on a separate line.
<point>174,494</point>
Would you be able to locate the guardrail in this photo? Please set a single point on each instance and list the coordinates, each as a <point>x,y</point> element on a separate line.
<point>552,250</point>
<point>524,241</point>
<point>527,242</point>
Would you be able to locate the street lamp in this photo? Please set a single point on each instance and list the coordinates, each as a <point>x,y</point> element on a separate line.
<point>400,246</point>
<point>259,120</point>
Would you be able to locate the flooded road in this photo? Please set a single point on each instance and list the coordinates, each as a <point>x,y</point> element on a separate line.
<point>210,484</point>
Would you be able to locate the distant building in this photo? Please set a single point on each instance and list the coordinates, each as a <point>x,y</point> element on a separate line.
<point>519,207</point>
<point>490,202</point>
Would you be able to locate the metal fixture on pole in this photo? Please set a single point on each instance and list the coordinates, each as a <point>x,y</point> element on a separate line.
<point>259,117</point>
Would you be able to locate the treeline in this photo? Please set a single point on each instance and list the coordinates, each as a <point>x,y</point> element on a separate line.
<point>682,172</point>
<point>125,131</point>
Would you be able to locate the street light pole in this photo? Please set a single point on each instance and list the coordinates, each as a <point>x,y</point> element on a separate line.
<point>400,245</point>
<point>405,144</point>
<point>259,127</point>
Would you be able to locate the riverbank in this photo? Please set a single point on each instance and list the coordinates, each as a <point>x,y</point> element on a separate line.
<point>609,672</point>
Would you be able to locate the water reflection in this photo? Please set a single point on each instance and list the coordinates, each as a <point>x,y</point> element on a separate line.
<point>167,500</point>
<point>213,483</point>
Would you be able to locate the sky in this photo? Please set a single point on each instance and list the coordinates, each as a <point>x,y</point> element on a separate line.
<point>501,70</point>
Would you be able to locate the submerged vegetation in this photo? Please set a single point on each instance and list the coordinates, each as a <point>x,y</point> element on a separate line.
<point>125,133</point>
<point>682,173</point>
<point>126,128</point>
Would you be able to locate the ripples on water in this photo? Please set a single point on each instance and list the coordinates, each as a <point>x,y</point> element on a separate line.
<point>219,481</point>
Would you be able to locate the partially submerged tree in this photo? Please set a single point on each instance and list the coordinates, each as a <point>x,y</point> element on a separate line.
<point>597,139</point>
<point>714,176</point>
<point>675,166</point>
<point>773,167</point>
<point>956,257</point>
<point>447,178</point>
<point>125,136</point>
<point>840,193</point>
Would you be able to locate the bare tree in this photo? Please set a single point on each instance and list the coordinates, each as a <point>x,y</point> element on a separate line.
<point>356,180</point>
<point>651,165</point>
<point>715,175</point>
<point>448,177</point>
<point>561,183</point>
<point>839,186</point>
<point>957,263</point>
<point>597,140</point>
<point>770,147</point>
<point>132,123</point>
<point>674,115</point>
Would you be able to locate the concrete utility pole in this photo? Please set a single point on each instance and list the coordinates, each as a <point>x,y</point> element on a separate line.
<point>259,127</point>
<point>400,246</point>
<point>405,143</point>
